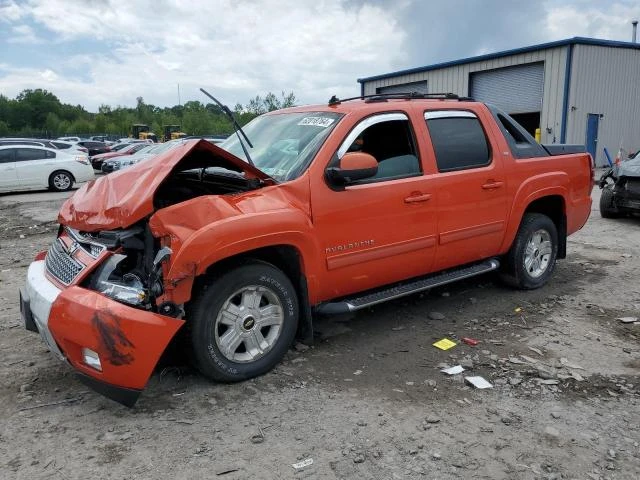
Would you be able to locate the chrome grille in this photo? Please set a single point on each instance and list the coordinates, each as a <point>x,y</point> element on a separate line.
<point>60,264</point>
<point>86,242</point>
<point>95,250</point>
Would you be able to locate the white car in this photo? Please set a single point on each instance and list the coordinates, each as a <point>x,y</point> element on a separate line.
<point>25,167</point>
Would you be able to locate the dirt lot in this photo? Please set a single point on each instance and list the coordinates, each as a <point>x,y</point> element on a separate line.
<point>368,399</point>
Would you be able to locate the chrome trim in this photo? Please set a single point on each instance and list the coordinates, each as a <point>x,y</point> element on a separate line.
<point>492,265</point>
<point>433,114</point>
<point>95,248</point>
<point>366,123</point>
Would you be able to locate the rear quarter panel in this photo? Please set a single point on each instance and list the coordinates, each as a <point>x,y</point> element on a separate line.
<point>568,176</point>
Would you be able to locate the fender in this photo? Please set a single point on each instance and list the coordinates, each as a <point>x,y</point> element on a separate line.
<point>530,190</point>
<point>199,242</point>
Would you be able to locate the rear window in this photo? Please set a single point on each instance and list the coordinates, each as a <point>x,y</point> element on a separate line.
<point>61,145</point>
<point>25,154</point>
<point>458,140</point>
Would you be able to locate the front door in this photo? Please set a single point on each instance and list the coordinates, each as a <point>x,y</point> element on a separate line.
<point>8,175</point>
<point>33,166</point>
<point>592,134</point>
<point>471,188</point>
<point>382,229</point>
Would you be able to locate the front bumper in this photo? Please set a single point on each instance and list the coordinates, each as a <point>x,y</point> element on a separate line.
<point>128,341</point>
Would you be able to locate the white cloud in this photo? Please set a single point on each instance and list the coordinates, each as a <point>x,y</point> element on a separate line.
<point>10,11</point>
<point>236,49</point>
<point>23,34</point>
<point>609,21</point>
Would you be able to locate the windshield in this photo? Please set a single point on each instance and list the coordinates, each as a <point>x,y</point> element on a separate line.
<point>284,143</point>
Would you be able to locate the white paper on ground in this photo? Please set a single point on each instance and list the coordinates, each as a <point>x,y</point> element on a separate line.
<point>628,319</point>
<point>304,463</point>
<point>478,382</point>
<point>453,370</point>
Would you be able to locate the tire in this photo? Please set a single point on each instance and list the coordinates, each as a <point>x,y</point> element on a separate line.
<point>607,207</point>
<point>225,343</point>
<point>60,181</point>
<point>532,257</point>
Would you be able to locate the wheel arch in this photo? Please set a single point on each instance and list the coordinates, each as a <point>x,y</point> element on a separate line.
<point>550,202</point>
<point>284,257</point>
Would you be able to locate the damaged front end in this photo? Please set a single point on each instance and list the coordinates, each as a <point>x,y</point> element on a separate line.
<point>97,296</point>
<point>620,186</point>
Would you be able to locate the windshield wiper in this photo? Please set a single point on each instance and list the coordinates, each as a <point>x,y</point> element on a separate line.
<point>236,126</point>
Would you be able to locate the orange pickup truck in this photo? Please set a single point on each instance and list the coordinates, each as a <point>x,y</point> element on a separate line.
<point>326,209</point>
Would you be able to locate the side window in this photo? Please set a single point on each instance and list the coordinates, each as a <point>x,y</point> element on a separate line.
<point>7,155</point>
<point>389,139</point>
<point>50,154</point>
<point>61,146</point>
<point>25,154</point>
<point>458,140</point>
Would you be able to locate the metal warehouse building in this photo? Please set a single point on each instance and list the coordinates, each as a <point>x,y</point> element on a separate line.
<point>580,90</point>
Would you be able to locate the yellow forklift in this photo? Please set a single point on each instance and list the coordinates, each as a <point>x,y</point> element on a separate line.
<point>172,132</point>
<point>141,132</point>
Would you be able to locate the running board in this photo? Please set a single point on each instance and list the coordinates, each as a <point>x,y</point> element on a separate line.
<point>401,290</point>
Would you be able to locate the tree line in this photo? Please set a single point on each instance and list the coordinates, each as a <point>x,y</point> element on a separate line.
<point>39,113</point>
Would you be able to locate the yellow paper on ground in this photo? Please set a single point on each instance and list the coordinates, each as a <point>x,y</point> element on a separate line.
<point>444,344</point>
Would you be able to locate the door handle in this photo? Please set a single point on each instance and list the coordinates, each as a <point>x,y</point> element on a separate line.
<point>492,185</point>
<point>417,197</point>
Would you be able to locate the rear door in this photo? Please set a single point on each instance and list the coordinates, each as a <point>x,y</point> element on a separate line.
<point>8,175</point>
<point>471,188</point>
<point>34,165</point>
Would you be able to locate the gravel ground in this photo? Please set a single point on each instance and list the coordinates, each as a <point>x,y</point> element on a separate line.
<point>367,400</point>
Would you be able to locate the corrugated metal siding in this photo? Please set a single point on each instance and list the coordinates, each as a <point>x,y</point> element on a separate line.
<point>606,81</point>
<point>456,80</point>
<point>513,89</point>
<point>420,87</point>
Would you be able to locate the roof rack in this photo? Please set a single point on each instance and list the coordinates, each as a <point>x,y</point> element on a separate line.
<point>383,97</point>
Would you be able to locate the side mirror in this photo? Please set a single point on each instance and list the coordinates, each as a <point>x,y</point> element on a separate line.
<point>353,166</point>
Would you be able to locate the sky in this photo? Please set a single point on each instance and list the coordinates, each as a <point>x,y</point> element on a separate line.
<point>93,52</point>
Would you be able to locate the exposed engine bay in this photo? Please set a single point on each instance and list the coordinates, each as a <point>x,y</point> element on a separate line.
<point>621,189</point>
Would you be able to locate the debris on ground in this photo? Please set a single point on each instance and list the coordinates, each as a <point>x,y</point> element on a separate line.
<point>444,344</point>
<point>453,370</point>
<point>478,382</point>
<point>470,341</point>
<point>628,319</point>
<point>302,464</point>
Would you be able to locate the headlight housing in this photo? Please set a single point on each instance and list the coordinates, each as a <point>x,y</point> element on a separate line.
<point>127,288</point>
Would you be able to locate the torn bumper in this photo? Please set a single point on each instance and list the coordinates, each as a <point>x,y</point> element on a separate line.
<point>127,341</point>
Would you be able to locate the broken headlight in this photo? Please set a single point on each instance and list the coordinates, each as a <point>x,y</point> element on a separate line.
<point>125,288</point>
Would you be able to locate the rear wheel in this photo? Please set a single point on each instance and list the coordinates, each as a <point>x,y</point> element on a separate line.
<point>243,322</point>
<point>60,181</point>
<point>532,257</point>
<point>608,208</point>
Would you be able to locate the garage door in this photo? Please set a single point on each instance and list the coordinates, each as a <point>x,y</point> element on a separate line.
<point>513,89</point>
<point>420,87</point>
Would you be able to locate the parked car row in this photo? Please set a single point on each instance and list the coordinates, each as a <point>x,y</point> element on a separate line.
<point>34,167</point>
<point>32,163</point>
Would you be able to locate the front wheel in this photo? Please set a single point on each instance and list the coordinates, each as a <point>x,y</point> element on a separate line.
<point>608,208</point>
<point>243,322</point>
<point>532,257</point>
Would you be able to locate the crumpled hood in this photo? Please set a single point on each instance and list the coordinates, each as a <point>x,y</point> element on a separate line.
<point>629,168</point>
<point>121,199</point>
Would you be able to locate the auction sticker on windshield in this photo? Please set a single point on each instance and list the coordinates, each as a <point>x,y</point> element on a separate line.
<point>316,121</point>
